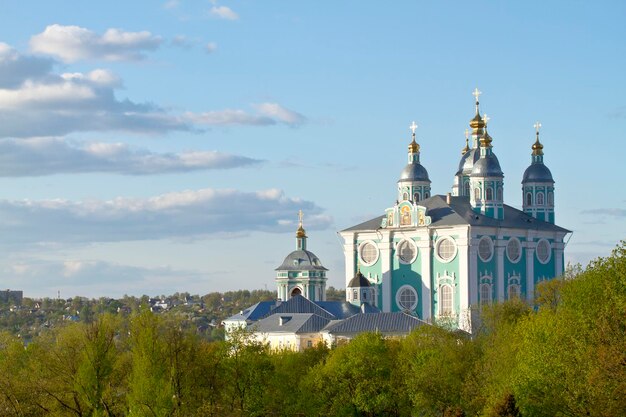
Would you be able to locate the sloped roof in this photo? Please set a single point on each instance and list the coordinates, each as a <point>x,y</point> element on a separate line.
<point>291,323</point>
<point>300,304</point>
<point>254,312</point>
<point>376,322</point>
<point>459,212</point>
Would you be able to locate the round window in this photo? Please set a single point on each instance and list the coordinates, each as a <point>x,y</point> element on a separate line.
<point>514,250</point>
<point>485,248</point>
<point>407,252</point>
<point>406,298</point>
<point>543,251</point>
<point>369,253</point>
<point>446,249</point>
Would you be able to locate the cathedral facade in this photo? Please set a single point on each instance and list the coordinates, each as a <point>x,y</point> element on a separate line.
<point>443,256</point>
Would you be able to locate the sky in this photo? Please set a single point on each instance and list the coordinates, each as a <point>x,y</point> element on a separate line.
<point>154,147</point>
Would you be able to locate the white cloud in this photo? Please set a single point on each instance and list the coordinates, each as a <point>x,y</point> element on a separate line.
<point>210,47</point>
<point>74,43</point>
<point>280,113</point>
<point>34,102</point>
<point>47,156</point>
<point>266,114</point>
<point>224,12</point>
<point>185,214</point>
<point>171,4</point>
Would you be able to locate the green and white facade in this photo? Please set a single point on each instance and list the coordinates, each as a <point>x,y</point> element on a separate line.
<point>445,255</point>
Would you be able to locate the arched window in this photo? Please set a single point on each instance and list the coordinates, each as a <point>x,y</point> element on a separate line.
<point>426,194</point>
<point>499,194</point>
<point>550,198</point>
<point>364,295</point>
<point>296,291</point>
<point>489,193</point>
<point>446,300</point>
<point>476,193</point>
<point>540,199</point>
<point>485,294</point>
<point>514,291</point>
<point>529,199</point>
<point>405,196</point>
<point>466,189</point>
<point>416,197</point>
<point>355,295</point>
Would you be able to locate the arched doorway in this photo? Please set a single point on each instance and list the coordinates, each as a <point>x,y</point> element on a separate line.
<point>296,291</point>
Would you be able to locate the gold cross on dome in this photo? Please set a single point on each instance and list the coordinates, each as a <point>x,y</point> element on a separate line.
<point>486,118</point>
<point>413,127</point>
<point>476,93</point>
<point>300,216</point>
<point>537,126</point>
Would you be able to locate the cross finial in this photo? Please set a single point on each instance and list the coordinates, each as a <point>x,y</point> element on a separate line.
<point>476,94</point>
<point>486,119</point>
<point>537,126</point>
<point>466,134</point>
<point>413,127</point>
<point>300,216</point>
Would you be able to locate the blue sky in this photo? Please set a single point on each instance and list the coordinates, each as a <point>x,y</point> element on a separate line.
<point>153,147</point>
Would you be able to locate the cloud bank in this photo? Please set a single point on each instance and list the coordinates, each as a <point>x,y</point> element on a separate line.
<point>47,156</point>
<point>35,102</point>
<point>186,214</point>
<point>74,43</point>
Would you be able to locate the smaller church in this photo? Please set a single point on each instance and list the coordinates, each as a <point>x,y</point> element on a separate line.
<point>301,317</point>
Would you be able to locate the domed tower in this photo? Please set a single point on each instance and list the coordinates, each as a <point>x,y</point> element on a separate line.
<point>414,184</point>
<point>359,290</point>
<point>538,185</point>
<point>301,273</point>
<point>469,155</point>
<point>487,180</point>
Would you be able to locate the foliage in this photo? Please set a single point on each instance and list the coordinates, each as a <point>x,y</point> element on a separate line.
<point>563,357</point>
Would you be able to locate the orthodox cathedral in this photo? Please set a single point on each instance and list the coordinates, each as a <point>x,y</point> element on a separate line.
<point>440,256</point>
<point>428,257</point>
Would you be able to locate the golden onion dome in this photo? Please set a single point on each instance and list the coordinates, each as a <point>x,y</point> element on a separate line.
<point>486,139</point>
<point>300,232</point>
<point>414,147</point>
<point>537,147</point>
<point>477,122</point>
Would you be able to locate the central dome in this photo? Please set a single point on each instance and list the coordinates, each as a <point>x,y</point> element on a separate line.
<point>489,166</point>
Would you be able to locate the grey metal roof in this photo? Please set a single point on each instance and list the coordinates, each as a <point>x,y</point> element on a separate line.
<point>537,172</point>
<point>301,260</point>
<point>487,166</point>
<point>340,309</point>
<point>254,312</point>
<point>358,281</point>
<point>459,212</point>
<point>414,172</point>
<point>291,323</point>
<point>376,322</point>
<point>467,162</point>
<point>300,304</point>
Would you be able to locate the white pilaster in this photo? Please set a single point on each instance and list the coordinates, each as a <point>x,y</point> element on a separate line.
<point>425,249</point>
<point>500,269</point>
<point>558,258</point>
<point>530,271</point>
<point>385,263</point>
<point>348,250</point>
<point>464,284</point>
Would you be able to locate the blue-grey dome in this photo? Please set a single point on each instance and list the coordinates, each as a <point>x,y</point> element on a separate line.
<point>414,172</point>
<point>537,173</point>
<point>301,260</point>
<point>487,167</point>
<point>468,160</point>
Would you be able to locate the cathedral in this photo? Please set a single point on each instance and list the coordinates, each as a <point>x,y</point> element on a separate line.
<point>428,258</point>
<point>443,256</point>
